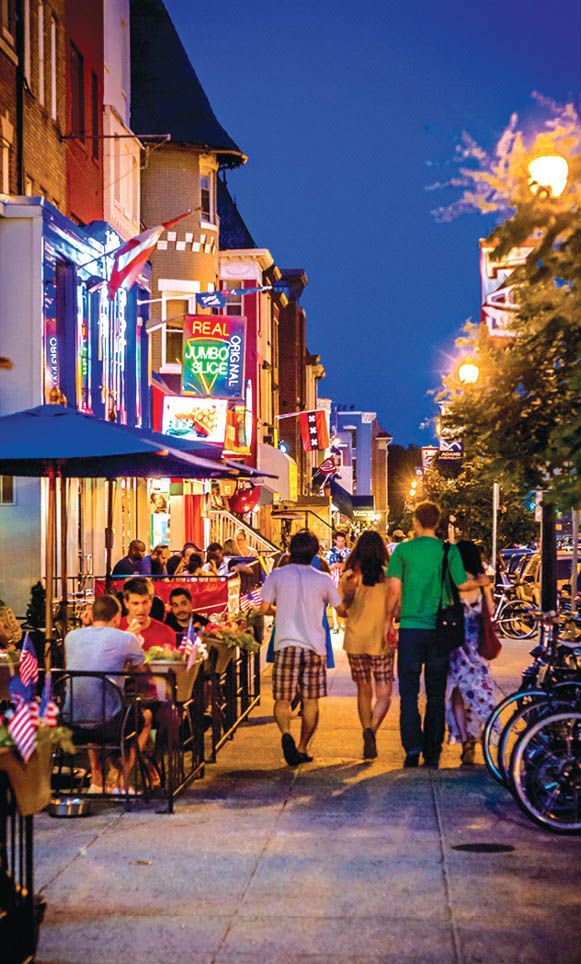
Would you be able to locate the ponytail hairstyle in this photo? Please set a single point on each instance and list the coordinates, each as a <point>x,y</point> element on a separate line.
<point>370,557</point>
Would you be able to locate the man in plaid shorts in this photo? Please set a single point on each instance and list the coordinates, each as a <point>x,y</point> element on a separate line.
<point>299,594</point>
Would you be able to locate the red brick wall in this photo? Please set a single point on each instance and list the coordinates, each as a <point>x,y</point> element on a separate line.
<point>291,370</point>
<point>84,29</point>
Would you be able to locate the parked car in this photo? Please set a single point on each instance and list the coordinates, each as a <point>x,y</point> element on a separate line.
<point>529,584</point>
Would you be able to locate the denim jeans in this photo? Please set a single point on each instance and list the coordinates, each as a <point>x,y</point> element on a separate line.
<point>417,648</point>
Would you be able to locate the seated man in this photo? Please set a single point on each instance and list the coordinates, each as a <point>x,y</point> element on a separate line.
<point>103,647</point>
<point>134,563</point>
<point>216,563</point>
<point>182,610</point>
<point>138,599</point>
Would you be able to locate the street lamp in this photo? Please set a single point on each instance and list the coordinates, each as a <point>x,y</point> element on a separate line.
<point>548,176</point>
<point>468,372</point>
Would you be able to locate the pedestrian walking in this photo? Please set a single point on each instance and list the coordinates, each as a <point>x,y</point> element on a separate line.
<point>470,695</point>
<point>415,577</point>
<point>364,590</point>
<point>298,593</point>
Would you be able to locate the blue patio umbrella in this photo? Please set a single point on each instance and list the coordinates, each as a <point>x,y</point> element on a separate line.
<point>55,441</point>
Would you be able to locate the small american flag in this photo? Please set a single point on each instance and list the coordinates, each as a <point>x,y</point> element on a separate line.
<point>23,727</point>
<point>188,640</point>
<point>28,662</point>
<point>49,711</point>
<point>245,603</point>
<point>256,596</point>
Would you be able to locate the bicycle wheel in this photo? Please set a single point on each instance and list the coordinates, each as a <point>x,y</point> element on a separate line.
<point>546,772</point>
<point>519,722</point>
<point>497,721</point>
<point>518,620</point>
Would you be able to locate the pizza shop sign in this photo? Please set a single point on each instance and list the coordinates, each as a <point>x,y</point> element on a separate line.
<point>213,356</point>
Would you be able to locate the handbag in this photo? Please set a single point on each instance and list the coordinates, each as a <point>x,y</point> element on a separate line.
<point>449,619</point>
<point>489,645</point>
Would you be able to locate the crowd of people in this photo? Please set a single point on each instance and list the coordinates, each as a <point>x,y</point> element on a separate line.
<point>389,599</point>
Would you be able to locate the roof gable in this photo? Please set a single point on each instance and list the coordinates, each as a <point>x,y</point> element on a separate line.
<point>234,234</point>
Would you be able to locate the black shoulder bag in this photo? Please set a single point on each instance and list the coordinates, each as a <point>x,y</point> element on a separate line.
<point>449,619</point>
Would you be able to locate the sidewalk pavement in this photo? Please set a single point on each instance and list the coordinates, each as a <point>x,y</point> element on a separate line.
<point>337,862</point>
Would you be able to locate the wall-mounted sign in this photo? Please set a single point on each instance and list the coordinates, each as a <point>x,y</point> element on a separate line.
<point>451,449</point>
<point>195,418</point>
<point>429,453</point>
<point>213,358</point>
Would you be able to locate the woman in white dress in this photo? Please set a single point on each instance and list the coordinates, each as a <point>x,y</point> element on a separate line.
<point>470,695</point>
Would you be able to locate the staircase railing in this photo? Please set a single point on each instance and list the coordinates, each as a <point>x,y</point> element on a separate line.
<point>224,525</point>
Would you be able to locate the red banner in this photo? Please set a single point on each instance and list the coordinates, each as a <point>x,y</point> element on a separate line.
<point>314,430</point>
<point>209,596</point>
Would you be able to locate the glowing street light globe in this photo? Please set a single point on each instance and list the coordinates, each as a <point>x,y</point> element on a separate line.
<point>548,175</point>
<point>468,373</point>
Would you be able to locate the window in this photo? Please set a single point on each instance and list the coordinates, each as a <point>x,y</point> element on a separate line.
<point>175,310</point>
<point>28,186</point>
<point>207,196</point>
<point>6,490</point>
<point>26,30</point>
<point>235,303</point>
<point>77,93</point>
<point>8,20</point>
<point>95,113</point>
<point>5,168</point>
<point>53,68</point>
<point>41,53</point>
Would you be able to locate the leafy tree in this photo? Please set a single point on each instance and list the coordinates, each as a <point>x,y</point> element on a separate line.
<point>463,492</point>
<point>522,417</point>
<point>401,465</point>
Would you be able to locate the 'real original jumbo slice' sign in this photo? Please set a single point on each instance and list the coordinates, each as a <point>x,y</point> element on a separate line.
<point>213,356</point>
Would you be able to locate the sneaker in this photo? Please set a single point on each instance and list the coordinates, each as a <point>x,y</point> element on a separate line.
<point>412,760</point>
<point>369,744</point>
<point>291,754</point>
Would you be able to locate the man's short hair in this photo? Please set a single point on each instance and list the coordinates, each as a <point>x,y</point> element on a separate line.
<point>304,547</point>
<point>214,547</point>
<point>136,542</point>
<point>180,591</point>
<point>105,608</point>
<point>340,535</point>
<point>138,586</point>
<point>428,514</point>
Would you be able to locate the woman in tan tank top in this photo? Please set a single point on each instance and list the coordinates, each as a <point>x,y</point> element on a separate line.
<point>363,588</point>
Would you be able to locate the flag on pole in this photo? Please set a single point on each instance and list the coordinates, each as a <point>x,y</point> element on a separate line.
<point>188,640</point>
<point>245,603</point>
<point>256,596</point>
<point>23,728</point>
<point>131,256</point>
<point>28,662</point>
<point>314,430</point>
<point>212,299</point>
<point>48,711</point>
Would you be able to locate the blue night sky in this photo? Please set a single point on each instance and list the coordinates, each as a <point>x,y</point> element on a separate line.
<point>348,112</point>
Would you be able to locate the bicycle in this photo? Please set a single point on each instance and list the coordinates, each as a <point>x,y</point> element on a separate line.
<point>513,617</point>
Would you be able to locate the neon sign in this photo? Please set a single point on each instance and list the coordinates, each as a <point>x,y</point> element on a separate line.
<point>213,356</point>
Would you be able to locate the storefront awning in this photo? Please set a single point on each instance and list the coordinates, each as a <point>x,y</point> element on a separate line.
<point>277,466</point>
<point>342,499</point>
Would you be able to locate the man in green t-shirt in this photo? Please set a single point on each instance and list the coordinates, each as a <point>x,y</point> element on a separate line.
<point>415,577</point>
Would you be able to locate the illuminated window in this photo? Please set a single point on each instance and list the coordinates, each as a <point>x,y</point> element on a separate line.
<point>77,93</point>
<point>6,490</point>
<point>175,311</point>
<point>207,196</point>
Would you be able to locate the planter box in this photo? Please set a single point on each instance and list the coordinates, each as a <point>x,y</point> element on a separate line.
<point>29,781</point>
<point>225,655</point>
<point>185,678</point>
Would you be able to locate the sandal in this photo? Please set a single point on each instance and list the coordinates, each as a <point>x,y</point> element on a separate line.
<point>467,757</point>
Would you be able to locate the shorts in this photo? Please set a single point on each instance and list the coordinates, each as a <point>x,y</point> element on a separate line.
<point>298,669</point>
<point>363,665</point>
